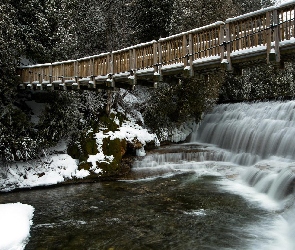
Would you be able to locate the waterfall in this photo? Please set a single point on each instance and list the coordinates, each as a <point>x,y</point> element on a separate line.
<point>261,135</point>
<point>247,149</point>
<point>258,138</point>
<point>250,132</point>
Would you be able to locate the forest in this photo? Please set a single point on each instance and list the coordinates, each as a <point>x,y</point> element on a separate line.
<point>41,31</point>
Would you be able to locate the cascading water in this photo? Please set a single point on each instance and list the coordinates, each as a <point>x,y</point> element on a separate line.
<point>251,132</point>
<point>258,133</point>
<point>253,146</point>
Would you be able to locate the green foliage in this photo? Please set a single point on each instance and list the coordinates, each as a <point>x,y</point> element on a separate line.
<point>82,147</point>
<point>250,6</point>
<point>117,149</point>
<point>190,14</point>
<point>172,104</point>
<point>17,140</point>
<point>259,82</point>
<point>61,117</point>
<point>151,19</point>
<point>45,28</point>
<point>108,122</point>
<point>10,49</point>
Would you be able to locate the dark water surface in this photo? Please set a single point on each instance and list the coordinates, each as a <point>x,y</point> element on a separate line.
<point>178,212</point>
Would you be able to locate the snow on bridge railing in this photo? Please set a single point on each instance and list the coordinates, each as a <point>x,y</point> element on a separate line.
<point>262,31</point>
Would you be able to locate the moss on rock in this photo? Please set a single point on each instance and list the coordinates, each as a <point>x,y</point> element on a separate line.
<point>83,148</point>
<point>116,148</point>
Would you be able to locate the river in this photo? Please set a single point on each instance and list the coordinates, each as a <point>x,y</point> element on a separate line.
<point>231,187</point>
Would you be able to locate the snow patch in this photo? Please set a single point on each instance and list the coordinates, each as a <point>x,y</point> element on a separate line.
<point>15,223</point>
<point>48,171</point>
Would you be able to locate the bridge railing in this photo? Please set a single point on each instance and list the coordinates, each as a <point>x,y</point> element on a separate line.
<point>146,55</point>
<point>122,60</point>
<point>173,49</point>
<point>101,65</point>
<point>207,41</point>
<point>262,32</point>
<point>84,67</point>
<point>36,73</point>
<point>252,31</point>
<point>285,19</point>
<point>57,72</point>
<point>46,73</point>
<point>25,73</point>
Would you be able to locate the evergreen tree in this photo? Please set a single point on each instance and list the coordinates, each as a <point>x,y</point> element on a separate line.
<point>151,19</point>
<point>88,28</point>
<point>117,16</point>
<point>191,14</point>
<point>243,7</point>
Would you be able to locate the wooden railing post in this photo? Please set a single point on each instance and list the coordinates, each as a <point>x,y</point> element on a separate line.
<point>221,42</point>
<point>160,60</point>
<point>228,46</point>
<point>112,64</point>
<point>31,75</point>
<point>155,57</point>
<point>50,76</point>
<point>276,34</point>
<point>39,85</point>
<point>156,60</point>
<point>76,85</point>
<point>92,83</point>
<point>110,80</point>
<point>134,59</point>
<point>191,53</point>
<point>268,36</point>
<point>184,50</point>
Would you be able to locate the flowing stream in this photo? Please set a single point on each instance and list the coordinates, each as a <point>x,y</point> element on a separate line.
<point>231,187</point>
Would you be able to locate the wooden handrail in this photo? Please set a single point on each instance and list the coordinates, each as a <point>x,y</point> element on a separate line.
<point>264,29</point>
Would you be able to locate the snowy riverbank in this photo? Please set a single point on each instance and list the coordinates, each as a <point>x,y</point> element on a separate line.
<point>57,166</point>
<point>15,223</point>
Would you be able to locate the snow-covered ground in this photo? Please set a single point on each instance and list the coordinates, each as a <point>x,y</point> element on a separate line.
<point>57,168</point>
<point>15,223</point>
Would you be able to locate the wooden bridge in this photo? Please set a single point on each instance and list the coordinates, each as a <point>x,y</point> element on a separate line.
<point>264,36</point>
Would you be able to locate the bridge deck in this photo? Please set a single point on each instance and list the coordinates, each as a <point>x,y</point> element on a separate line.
<point>267,35</point>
